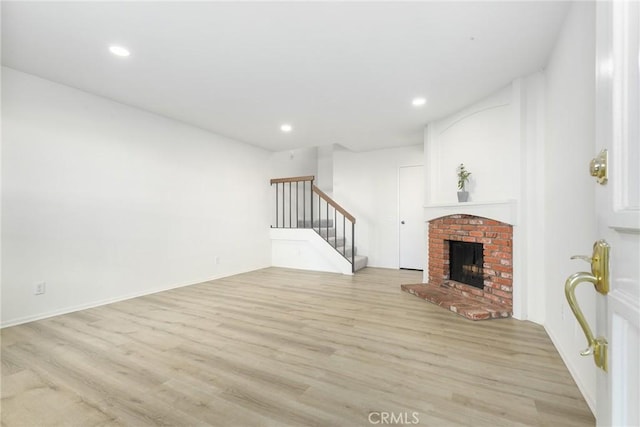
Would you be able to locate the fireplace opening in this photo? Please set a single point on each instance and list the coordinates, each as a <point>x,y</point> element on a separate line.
<point>466,263</point>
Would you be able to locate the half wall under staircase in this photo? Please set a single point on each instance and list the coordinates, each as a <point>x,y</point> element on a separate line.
<point>311,231</point>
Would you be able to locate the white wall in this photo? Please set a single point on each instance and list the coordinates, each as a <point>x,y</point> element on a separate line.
<point>296,162</point>
<point>366,184</point>
<point>569,190</point>
<point>103,201</point>
<point>484,137</point>
<point>531,202</point>
<point>325,169</point>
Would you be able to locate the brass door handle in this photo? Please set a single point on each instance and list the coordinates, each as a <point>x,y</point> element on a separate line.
<point>599,276</point>
<point>597,346</point>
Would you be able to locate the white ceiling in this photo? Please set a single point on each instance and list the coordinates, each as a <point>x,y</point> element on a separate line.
<point>339,72</point>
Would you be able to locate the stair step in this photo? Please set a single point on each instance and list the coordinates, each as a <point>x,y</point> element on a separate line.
<point>336,241</point>
<point>323,223</point>
<point>347,250</point>
<point>360,262</point>
<point>324,232</point>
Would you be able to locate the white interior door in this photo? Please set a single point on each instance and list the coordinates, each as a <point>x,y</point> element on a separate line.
<point>413,234</point>
<point>618,209</point>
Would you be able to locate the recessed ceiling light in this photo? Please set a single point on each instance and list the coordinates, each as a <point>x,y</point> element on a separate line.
<point>418,102</point>
<point>286,128</point>
<point>119,50</point>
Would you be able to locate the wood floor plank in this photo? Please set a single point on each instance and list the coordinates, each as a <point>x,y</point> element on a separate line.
<point>281,347</point>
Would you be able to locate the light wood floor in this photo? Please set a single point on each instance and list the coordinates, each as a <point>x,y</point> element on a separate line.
<point>284,347</point>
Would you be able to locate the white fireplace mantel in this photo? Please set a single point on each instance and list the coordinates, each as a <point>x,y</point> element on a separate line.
<point>503,210</point>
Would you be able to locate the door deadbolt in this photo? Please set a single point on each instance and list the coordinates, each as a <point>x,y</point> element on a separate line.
<point>598,167</point>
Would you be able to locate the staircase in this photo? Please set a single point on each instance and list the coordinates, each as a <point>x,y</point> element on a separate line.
<point>340,244</point>
<point>299,204</point>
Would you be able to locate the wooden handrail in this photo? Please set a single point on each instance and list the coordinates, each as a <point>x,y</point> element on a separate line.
<point>335,205</point>
<point>293,179</point>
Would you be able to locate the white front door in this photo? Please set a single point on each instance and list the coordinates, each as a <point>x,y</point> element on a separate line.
<point>413,234</point>
<point>618,209</point>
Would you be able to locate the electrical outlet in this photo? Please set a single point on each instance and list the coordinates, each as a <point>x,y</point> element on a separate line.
<point>40,288</point>
<point>216,260</point>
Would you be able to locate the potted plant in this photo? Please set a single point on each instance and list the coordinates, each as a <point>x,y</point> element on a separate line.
<point>463,178</point>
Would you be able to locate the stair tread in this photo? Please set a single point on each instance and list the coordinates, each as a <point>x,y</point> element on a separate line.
<point>308,223</point>
<point>360,262</point>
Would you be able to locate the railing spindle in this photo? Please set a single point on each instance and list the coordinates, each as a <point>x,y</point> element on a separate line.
<point>344,235</point>
<point>319,213</point>
<point>353,247</point>
<point>311,205</point>
<point>335,227</point>
<point>289,205</point>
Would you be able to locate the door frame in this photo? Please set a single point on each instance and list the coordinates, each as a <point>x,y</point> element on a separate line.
<point>398,219</point>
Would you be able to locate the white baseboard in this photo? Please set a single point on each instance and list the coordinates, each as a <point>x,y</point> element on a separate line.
<point>72,309</point>
<point>587,397</point>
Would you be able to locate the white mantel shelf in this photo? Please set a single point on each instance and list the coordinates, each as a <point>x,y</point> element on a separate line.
<point>502,210</point>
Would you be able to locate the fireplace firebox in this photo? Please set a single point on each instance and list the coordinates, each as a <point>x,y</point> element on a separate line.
<point>466,263</point>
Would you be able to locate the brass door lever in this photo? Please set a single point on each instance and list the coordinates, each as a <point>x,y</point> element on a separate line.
<point>599,276</point>
<point>599,265</point>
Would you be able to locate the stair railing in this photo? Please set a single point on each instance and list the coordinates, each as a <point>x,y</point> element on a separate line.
<point>297,198</point>
<point>287,205</point>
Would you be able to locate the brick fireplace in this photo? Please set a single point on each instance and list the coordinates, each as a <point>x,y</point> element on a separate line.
<point>492,299</point>
<point>497,244</point>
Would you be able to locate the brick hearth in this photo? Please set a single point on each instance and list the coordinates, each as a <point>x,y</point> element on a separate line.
<point>495,299</point>
<point>459,298</point>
